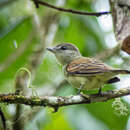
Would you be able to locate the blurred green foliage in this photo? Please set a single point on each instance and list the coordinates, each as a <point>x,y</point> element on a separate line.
<point>16,24</point>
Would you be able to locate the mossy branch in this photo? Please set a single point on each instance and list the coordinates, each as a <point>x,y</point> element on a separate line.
<point>58,101</point>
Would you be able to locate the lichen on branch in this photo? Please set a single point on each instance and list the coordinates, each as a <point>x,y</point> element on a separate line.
<point>59,101</point>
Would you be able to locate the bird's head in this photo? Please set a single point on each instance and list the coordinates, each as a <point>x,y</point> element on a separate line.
<point>65,52</point>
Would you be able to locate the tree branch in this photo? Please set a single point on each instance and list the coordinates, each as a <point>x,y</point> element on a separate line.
<point>59,101</point>
<point>37,2</point>
<point>121,18</point>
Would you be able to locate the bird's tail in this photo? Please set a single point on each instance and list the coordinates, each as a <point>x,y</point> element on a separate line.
<point>122,71</point>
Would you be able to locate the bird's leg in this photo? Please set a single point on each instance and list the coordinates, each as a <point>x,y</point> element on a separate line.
<point>81,93</point>
<point>100,91</point>
<point>79,90</point>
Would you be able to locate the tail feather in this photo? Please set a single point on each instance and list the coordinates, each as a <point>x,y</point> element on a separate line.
<point>113,80</point>
<point>122,71</point>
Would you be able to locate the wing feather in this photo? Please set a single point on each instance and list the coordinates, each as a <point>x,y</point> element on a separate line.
<point>87,66</point>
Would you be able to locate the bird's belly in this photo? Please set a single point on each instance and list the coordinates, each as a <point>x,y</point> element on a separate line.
<point>76,81</point>
<point>89,83</point>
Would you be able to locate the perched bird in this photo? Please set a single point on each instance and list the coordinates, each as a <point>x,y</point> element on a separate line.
<point>82,72</point>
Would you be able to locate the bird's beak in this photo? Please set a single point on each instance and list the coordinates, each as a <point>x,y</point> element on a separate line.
<point>50,49</point>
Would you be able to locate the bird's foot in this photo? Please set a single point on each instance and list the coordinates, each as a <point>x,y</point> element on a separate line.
<point>84,95</point>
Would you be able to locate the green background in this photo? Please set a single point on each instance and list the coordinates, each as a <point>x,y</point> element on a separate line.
<point>17,22</point>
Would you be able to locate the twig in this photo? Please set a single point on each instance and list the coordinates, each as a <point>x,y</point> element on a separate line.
<point>58,101</point>
<point>3,119</point>
<point>70,10</point>
<point>123,5</point>
<point>36,3</point>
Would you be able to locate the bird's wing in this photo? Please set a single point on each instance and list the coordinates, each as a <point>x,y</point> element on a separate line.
<point>87,67</point>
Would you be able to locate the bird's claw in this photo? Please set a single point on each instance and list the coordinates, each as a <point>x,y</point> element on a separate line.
<point>84,95</point>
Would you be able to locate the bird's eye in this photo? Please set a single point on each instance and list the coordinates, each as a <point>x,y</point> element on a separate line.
<point>63,48</point>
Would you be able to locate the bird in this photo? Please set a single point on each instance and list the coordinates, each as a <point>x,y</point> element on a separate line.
<point>84,73</point>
